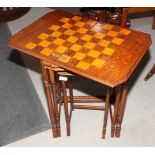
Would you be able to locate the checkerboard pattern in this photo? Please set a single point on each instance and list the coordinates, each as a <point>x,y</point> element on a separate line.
<point>59,37</point>
<point>79,42</point>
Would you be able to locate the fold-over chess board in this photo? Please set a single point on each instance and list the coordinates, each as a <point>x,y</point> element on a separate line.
<point>103,52</point>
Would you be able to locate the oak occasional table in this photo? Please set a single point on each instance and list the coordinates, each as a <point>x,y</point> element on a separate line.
<point>102,52</point>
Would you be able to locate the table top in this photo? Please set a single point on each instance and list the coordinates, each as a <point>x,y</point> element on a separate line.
<point>99,51</point>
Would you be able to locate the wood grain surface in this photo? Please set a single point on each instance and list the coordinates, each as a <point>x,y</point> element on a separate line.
<point>102,52</point>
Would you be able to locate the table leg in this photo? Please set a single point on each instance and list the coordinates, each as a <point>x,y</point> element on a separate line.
<point>66,107</point>
<point>59,96</point>
<point>106,112</point>
<point>121,110</point>
<point>53,85</point>
<point>49,99</point>
<point>71,93</point>
<point>116,104</point>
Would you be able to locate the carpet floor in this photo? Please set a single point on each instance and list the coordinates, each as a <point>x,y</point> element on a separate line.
<point>21,111</point>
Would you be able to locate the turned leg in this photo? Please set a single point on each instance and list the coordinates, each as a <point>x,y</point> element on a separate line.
<point>66,108</point>
<point>59,97</point>
<point>121,111</point>
<point>53,85</point>
<point>113,120</point>
<point>71,93</point>
<point>106,112</point>
<point>49,99</point>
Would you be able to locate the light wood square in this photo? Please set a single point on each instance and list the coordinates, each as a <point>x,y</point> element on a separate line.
<point>80,24</point>
<point>43,36</point>
<point>82,30</point>
<point>86,37</point>
<point>64,20</point>
<point>104,43</point>
<point>112,33</point>
<point>76,18</point>
<point>98,63</point>
<point>69,32</point>
<point>54,27</point>
<point>67,25</point>
<point>72,39</point>
<point>46,51</point>
<point>58,41</point>
<point>44,43</point>
<point>76,47</point>
<point>30,45</point>
<point>82,65</point>
<point>56,34</point>
<point>93,53</point>
<point>99,35</point>
<point>125,31</point>
<point>108,51</point>
<point>61,49</point>
<point>79,56</point>
<point>117,41</point>
<point>90,45</point>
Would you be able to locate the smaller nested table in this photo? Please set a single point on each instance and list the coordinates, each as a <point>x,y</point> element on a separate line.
<point>102,52</point>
